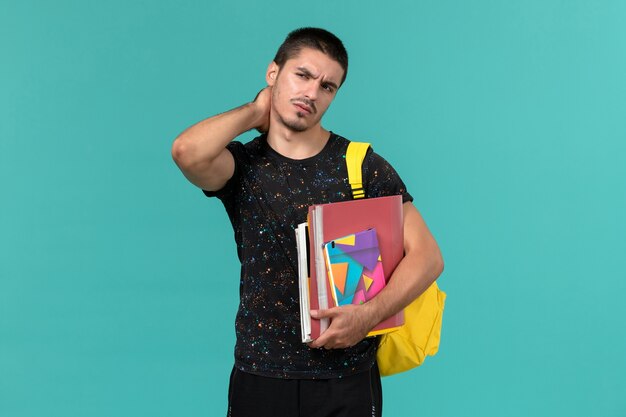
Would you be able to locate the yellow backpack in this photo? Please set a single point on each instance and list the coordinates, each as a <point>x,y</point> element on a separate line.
<point>419,337</point>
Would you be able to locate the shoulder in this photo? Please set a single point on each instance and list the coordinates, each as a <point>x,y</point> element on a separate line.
<point>243,152</point>
<point>343,143</point>
<point>374,159</point>
<point>339,144</point>
<point>381,178</point>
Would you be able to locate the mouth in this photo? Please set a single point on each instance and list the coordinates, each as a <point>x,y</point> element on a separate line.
<point>303,107</point>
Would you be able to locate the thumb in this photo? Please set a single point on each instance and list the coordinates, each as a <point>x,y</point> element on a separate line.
<point>322,314</point>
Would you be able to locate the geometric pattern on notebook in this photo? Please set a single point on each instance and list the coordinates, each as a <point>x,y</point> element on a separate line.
<point>368,282</point>
<point>348,240</point>
<point>340,272</point>
<point>356,267</point>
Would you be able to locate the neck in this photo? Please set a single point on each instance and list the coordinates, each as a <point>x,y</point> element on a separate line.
<point>297,145</point>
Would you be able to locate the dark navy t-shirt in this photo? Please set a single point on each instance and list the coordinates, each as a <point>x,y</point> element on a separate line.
<point>267,197</point>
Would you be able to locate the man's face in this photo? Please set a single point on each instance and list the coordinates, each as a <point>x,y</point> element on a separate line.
<point>303,88</point>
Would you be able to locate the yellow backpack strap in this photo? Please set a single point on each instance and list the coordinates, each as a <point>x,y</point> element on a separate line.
<point>354,161</point>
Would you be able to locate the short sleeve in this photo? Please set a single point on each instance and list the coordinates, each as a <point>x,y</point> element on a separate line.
<point>235,148</point>
<point>381,179</point>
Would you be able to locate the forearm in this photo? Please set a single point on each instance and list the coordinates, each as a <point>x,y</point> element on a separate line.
<point>413,275</point>
<point>419,268</point>
<point>204,141</point>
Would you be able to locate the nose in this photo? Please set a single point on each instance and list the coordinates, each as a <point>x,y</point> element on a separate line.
<point>311,89</point>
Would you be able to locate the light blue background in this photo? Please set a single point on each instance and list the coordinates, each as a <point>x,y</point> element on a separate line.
<point>119,280</point>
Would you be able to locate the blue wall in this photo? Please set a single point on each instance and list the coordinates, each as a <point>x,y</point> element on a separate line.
<point>119,280</point>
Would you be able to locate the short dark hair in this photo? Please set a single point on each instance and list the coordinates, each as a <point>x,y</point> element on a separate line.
<point>314,38</point>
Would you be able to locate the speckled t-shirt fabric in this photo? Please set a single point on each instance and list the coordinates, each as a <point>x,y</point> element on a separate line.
<point>267,197</point>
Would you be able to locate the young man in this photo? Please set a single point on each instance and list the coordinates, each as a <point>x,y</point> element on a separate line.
<point>266,187</point>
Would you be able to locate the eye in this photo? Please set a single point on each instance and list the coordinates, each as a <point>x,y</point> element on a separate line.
<point>328,88</point>
<point>301,75</point>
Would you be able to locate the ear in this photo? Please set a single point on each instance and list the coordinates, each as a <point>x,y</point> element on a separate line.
<point>272,73</point>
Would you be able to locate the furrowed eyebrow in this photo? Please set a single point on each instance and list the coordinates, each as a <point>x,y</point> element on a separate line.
<point>332,84</point>
<point>308,73</point>
<point>305,71</point>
